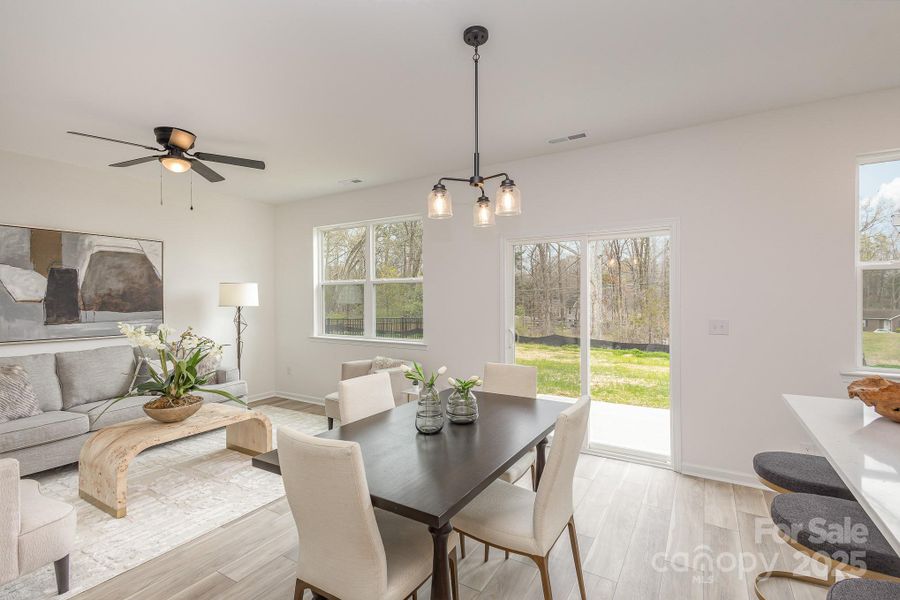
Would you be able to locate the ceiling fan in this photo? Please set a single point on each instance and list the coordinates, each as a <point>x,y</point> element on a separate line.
<point>176,144</point>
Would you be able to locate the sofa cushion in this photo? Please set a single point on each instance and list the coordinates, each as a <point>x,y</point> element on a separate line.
<point>126,409</point>
<point>92,375</point>
<point>41,429</point>
<point>235,388</point>
<point>16,396</point>
<point>41,370</point>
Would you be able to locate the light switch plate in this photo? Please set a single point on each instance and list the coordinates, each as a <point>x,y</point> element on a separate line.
<point>718,327</point>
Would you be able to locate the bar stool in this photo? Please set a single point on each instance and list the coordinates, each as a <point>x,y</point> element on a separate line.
<point>864,589</point>
<point>818,525</point>
<point>793,472</point>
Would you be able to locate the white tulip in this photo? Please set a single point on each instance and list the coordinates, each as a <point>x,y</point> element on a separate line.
<point>451,381</point>
<point>405,368</point>
<point>473,378</point>
<point>442,370</point>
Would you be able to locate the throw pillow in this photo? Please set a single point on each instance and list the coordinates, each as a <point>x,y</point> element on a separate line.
<point>383,362</point>
<point>17,399</point>
<point>209,365</point>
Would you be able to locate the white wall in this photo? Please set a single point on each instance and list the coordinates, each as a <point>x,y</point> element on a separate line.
<point>765,211</point>
<point>223,239</point>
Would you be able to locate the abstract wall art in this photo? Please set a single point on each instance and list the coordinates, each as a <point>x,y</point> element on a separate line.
<point>57,285</point>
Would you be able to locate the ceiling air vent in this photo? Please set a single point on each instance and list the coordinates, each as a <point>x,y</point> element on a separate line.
<point>353,181</point>
<point>568,138</point>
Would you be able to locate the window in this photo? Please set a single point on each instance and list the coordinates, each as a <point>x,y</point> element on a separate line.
<point>370,280</point>
<point>878,261</point>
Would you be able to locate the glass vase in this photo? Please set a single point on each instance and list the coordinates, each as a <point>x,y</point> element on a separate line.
<point>429,412</point>
<point>461,408</point>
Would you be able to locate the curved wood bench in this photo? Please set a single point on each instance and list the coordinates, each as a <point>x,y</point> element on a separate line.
<point>105,457</point>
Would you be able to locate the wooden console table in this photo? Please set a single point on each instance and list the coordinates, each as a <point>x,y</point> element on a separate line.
<point>103,463</point>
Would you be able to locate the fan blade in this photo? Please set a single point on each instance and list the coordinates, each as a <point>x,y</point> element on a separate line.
<point>97,137</point>
<point>205,171</point>
<point>136,161</point>
<point>231,160</point>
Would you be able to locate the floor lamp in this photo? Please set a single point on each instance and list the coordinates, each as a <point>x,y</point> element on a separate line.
<point>239,295</point>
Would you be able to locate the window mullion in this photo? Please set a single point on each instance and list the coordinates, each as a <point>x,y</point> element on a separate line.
<point>369,293</point>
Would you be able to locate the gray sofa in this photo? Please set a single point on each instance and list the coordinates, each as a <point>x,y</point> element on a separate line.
<point>67,386</point>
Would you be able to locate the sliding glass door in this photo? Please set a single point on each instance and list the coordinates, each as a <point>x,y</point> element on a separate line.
<point>592,313</point>
<point>547,327</point>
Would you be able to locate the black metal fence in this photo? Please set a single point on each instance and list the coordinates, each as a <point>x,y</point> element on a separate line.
<point>563,340</point>
<point>407,328</point>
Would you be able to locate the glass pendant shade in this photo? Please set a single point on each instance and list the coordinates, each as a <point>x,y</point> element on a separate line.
<point>175,164</point>
<point>483,215</point>
<point>440,205</point>
<point>509,200</point>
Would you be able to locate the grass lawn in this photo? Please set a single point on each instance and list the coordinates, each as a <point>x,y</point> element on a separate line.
<point>881,349</point>
<point>618,376</point>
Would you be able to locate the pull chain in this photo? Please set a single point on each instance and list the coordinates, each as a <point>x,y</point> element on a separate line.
<point>160,184</point>
<point>192,189</point>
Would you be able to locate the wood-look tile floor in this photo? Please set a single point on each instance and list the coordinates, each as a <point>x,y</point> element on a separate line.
<point>645,534</point>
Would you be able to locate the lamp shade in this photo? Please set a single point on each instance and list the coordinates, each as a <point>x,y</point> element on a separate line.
<point>238,294</point>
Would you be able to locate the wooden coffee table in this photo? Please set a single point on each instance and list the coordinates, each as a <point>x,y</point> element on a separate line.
<point>103,463</point>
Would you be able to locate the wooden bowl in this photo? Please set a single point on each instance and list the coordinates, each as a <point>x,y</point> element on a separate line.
<point>174,414</point>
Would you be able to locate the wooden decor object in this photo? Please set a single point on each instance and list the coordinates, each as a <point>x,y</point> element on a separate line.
<point>103,463</point>
<point>880,393</point>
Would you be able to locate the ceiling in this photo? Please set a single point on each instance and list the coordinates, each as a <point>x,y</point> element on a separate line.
<point>381,90</point>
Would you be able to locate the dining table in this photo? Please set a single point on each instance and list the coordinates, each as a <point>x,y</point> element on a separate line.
<point>430,478</point>
<point>864,449</point>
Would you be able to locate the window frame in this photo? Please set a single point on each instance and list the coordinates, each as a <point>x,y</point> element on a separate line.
<point>369,283</point>
<point>861,267</point>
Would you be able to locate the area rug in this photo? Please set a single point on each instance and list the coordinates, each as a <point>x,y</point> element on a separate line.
<point>176,493</point>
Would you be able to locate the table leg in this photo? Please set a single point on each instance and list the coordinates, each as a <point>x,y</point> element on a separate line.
<point>440,581</point>
<point>540,462</point>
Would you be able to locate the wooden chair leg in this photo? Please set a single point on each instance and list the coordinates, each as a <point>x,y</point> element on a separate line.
<point>415,595</point>
<point>533,478</point>
<point>506,557</point>
<point>62,574</point>
<point>462,544</point>
<point>454,576</point>
<point>299,589</point>
<point>541,562</point>
<point>487,552</point>
<point>330,423</point>
<point>576,554</point>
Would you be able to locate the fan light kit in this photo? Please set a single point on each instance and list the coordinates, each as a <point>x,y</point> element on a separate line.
<point>508,201</point>
<point>177,143</point>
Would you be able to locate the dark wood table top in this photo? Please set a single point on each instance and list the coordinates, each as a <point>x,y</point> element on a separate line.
<point>429,478</point>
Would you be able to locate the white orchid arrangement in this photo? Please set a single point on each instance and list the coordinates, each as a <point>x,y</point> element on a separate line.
<point>175,375</point>
<point>464,386</point>
<point>415,373</point>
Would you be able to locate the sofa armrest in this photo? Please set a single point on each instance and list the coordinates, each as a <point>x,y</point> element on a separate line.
<point>10,519</point>
<point>227,375</point>
<point>399,383</point>
<point>355,368</point>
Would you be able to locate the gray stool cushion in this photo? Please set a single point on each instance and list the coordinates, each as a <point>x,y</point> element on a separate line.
<point>837,528</point>
<point>801,473</point>
<point>864,589</point>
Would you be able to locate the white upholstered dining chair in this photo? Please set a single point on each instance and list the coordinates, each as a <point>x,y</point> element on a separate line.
<point>529,523</point>
<point>349,549</point>
<point>365,396</point>
<point>34,530</point>
<point>513,380</point>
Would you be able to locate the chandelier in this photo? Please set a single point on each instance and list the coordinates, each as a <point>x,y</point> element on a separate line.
<point>508,201</point>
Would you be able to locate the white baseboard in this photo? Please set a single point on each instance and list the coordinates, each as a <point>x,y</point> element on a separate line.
<point>745,479</point>
<point>260,396</point>
<point>300,397</point>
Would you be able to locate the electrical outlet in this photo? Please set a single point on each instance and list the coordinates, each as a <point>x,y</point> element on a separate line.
<point>718,327</point>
